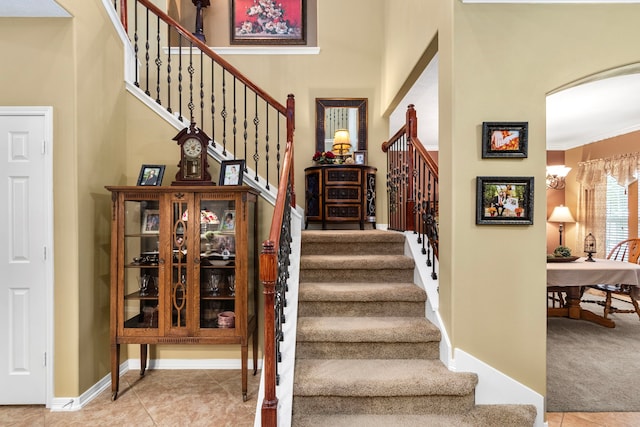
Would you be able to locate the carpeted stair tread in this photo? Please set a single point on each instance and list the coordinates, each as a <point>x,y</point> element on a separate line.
<point>352,236</point>
<point>379,377</point>
<point>480,416</point>
<point>367,329</point>
<point>360,292</point>
<point>355,262</point>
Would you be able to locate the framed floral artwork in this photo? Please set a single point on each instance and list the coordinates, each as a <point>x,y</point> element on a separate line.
<point>268,22</point>
<point>504,200</point>
<point>507,139</point>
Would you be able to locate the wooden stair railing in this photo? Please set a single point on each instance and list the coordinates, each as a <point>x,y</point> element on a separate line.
<point>253,107</point>
<point>412,187</point>
<point>190,81</point>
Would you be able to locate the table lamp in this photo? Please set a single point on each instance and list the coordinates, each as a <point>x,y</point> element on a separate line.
<point>561,214</point>
<point>341,143</point>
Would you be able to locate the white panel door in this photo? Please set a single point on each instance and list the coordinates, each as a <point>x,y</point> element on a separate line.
<point>23,270</point>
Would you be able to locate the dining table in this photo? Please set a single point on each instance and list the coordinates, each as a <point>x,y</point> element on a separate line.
<point>573,276</point>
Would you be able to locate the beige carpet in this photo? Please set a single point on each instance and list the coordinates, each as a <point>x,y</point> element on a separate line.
<point>591,368</point>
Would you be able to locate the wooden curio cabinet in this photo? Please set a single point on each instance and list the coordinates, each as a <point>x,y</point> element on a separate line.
<point>184,269</point>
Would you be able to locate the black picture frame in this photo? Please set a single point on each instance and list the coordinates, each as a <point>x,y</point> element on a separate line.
<point>360,157</point>
<point>151,175</point>
<point>514,207</point>
<point>504,139</point>
<point>252,24</point>
<point>231,172</point>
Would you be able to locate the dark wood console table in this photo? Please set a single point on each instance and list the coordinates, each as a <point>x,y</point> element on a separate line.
<point>340,194</point>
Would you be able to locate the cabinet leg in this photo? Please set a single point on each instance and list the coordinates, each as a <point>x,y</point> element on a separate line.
<point>115,370</point>
<point>143,358</point>
<point>244,357</point>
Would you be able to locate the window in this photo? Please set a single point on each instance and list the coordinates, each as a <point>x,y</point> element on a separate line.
<point>617,228</point>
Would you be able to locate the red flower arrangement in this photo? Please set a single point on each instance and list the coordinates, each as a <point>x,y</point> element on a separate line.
<point>324,157</point>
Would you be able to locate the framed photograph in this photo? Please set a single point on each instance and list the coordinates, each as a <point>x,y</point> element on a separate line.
<point>268,22</point>
<point>504,200</point>
<point>360,157</point>
<point>228,221</point>
<point>225,244</point>
<point>151,175</point>
<point>504,139</point>
<point>151,222</point>
<point>231,172</point>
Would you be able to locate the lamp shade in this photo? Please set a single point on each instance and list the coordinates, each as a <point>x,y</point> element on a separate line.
<point>341,142</point>
<point>561,214</point>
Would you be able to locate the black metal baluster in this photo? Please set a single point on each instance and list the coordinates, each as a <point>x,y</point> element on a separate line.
<point>169,73</point>
<point>146,56</point>
<point>266,147</point>
<point>180,77</point>
<point>158,60</point>
<point>201,89</point>
<point>223,113</point>
<point>191,70</point>
<point>135,45</point>
<point>213,104</point>
<point>245,134</point>
<point>256,122</point>
<point>234,119</point>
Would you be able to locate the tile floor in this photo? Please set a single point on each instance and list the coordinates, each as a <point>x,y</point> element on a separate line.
<point>160,398</point>
<point>207,398</point>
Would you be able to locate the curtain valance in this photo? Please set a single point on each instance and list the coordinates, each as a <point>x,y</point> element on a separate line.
<point>624,168</point>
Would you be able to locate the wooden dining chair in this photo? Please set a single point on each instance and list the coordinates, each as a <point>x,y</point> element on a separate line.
<point>629,251</point>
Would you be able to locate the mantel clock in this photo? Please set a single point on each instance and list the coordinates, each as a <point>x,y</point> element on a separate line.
<point>193,168</point>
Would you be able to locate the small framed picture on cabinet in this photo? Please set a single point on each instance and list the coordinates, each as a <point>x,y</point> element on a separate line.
<point>151,175</point>
<point>228,221</point>
<point>360,157</point>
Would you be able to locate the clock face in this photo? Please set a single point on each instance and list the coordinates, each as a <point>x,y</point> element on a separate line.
<point>192,147</point>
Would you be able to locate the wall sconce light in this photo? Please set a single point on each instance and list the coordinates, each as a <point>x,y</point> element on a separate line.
<point>561,214</point>
<point>590,247</point>
<point>556,175</point>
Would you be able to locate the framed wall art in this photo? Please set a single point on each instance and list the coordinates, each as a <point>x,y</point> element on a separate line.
<point>268,22</point>
<point>504,139</point>
<point>504,200</point>
<point>231,172</point>
<point>151,175</point>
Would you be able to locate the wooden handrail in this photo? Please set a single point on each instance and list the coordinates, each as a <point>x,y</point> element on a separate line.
<point>205,49</point>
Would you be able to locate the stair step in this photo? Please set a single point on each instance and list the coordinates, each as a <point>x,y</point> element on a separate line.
<point>380,386</point>
<point>356,268</point>
<point>347,242</point>
<point>480,416</point>
<point>367,338</point>
<point>361,299</point>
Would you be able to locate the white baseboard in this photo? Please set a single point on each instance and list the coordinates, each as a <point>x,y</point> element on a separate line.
<point>494,387</point>
<point>60,404</point>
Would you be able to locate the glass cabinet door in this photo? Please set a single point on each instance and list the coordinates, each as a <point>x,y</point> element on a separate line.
<point>180,273</point>
<point>217,264</point>
<point>141,258</point>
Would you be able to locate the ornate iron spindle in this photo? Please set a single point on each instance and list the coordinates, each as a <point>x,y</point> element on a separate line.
<point>266,145</point>
<point>223,113</point>
<point>213,104</point>
<point>146,56</point>
<point>245,134</point>
<point>179,76</point>
<point>169,75</point>
<point>234,120</point>
<point>256,122</point>
<point>135,44</point>
<point>158,60</point>
<point>191,71</point>
<point>202,88</point>
<point>277,155</point>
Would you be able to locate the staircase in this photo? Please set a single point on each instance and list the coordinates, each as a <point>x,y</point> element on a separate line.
<point>365,354</point>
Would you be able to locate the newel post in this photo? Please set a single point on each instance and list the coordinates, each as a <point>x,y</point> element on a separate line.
<point>412,132</point>
<point>268,275</point>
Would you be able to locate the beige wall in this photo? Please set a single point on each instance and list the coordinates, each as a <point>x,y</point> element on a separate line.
<point>494,65</point>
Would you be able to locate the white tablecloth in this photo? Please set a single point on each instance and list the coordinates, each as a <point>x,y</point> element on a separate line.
<point>603,271</point>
